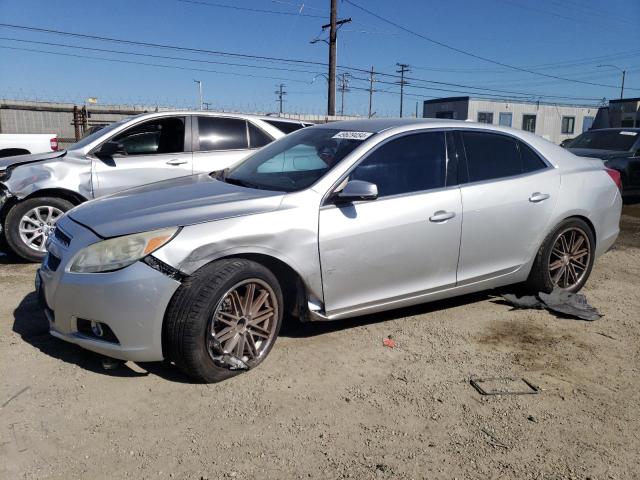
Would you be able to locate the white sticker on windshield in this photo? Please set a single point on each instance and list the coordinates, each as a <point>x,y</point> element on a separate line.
<point>353,135</point>
<point>633,134</point>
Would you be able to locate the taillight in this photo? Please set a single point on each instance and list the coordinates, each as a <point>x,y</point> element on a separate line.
<point>54,143</point>
<point>615,176</point>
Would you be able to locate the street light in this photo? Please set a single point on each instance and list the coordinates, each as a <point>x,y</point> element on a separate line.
<point>623,74</point>
<point>200,91</point>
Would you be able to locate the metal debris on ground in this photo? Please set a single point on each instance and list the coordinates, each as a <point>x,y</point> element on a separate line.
<point>567,304</point>
<point>504,386</point>
<point>493,441</point>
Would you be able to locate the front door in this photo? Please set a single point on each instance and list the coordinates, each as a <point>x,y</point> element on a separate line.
<point>154,151</point>
<point>404,243</point>
<point>508,201</point>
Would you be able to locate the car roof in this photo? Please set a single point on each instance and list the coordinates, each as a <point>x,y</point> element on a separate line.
<point>210,113</point>
<point>618,129</point>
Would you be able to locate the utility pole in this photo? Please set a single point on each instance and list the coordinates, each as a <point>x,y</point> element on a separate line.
<point>344,87</point>
<point>371,92</point>
<point>404,68</point>
<point>280,93</point>
<point>624,72</point>
<point>200,91</point>
<point>333,25</point>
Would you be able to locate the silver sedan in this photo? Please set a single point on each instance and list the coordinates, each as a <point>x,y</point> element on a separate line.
<point>330,222</point>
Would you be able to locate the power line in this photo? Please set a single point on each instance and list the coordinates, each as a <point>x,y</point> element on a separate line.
<point>470,54</point>
<point>150,55</point>
<point>176,67</point>
<point>248,9</point>
<point>253,57</point>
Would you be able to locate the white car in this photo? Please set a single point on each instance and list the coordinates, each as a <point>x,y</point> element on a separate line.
<point>12,144</point>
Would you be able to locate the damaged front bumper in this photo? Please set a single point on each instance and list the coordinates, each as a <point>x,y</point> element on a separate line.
<point>4,196</point>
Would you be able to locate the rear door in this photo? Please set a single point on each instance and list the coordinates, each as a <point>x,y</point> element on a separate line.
<point>404,243</point>
<point>219,143</point>
<point>508,195</point>
<point>155,149</point>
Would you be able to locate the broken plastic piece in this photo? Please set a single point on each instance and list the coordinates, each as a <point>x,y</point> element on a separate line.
<point>389,342</point>
<point>574,305</point>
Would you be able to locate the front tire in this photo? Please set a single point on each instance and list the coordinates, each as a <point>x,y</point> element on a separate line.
<point>565,258</point>
<point>29,224</point>
<point>223,318</point>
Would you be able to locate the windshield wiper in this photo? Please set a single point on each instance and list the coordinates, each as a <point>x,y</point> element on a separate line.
<point>242,183</point>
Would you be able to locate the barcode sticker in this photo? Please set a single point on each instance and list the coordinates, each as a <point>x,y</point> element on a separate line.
<point>353,135</point>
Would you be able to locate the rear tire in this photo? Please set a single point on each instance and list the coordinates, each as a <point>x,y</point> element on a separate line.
<point>206,319</point>
<point>565,258</point>
<point>29,223</point>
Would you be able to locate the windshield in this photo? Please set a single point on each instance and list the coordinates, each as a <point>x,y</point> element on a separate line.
<point>97,134</point>
<point>616,140</point>
<point>296,161</point>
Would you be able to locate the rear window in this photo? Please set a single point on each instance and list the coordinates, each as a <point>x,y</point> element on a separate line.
<point>285,127</point>
<point>616,140</point>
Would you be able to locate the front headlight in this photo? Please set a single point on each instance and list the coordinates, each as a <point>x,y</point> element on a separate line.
<point>117,253</point>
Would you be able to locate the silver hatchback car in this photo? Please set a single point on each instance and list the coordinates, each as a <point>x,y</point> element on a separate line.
<point>35,190</point>
<point>330,222</point>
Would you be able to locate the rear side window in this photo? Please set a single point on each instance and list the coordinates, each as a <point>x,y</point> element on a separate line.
<point>491,156</point>
<point>222,134</point>
<point>285,127</point>
<point>411,163</point>
<point>257,138</point>
<point>531,161</point>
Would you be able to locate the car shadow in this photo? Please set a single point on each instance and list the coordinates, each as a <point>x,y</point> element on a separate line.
<point>295,329</point>
<point>33,327</point>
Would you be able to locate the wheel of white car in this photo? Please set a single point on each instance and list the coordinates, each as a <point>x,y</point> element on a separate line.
<point>223,319</point>
<point>30,223</point>
<point>565,258</point>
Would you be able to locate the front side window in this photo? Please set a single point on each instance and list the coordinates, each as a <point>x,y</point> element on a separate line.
<point>218,133</point>
<point>296,161</point>
<point>568,125</point>
<point>529,123</point>
<point>162,135</point>
<point>485,117</point>
<point>411,163</point>
<point>505,119</point>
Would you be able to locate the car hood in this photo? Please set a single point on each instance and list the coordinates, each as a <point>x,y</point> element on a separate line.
<point>170,203</point>
<point>23,159</point>
<point>595,153</point>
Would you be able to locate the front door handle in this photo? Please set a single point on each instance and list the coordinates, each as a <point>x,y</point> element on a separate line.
<point>538,197</point>
<point>441,216</point>
<point>177,161</point>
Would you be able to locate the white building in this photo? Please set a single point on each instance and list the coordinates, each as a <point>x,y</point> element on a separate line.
<point>553,121</point>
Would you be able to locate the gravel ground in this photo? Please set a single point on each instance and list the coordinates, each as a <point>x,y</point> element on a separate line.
<point>332,402</point>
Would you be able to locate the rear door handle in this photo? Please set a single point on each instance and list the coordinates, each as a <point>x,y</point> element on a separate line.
<point>441,216</point>
<point>538,197</point>
<point>177,161</point>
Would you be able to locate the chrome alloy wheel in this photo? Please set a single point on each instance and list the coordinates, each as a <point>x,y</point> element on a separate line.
<point>244,322</point>
<point>37,225</point>
<point>570,257</point>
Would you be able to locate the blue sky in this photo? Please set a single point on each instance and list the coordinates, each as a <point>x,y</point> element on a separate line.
<point>566,38</point>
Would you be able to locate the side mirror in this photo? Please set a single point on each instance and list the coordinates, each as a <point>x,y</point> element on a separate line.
<point>358,190</point>
<point>109,149</point>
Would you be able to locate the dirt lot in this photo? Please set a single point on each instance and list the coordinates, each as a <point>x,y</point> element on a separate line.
<point>332,402</point>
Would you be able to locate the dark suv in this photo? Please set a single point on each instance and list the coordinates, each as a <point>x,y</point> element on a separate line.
<point>620,150</point>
